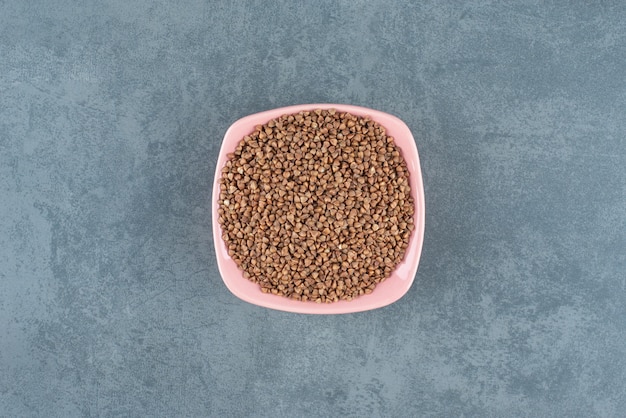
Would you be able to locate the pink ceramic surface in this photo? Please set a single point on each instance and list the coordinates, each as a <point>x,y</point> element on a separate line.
<point>386,292</point>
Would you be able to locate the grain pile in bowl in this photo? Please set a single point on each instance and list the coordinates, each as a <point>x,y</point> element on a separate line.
<point>316,206</point>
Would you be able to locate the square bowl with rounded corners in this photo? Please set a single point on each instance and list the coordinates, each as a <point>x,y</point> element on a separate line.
<point>386,292</point>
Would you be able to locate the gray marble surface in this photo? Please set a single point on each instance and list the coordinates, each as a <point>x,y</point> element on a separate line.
<point>111,117</point>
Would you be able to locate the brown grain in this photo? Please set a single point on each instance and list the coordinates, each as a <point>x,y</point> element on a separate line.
<point>316,206</point>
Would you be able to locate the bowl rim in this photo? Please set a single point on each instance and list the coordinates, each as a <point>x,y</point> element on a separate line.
<point>409,264</point>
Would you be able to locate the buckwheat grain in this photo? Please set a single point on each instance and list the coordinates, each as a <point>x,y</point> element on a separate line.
<point>316,206</point>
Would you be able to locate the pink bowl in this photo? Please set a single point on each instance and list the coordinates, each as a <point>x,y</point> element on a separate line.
<point>386,292</point>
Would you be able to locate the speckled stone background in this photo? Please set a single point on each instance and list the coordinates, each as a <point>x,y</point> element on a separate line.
<point>111,117</point>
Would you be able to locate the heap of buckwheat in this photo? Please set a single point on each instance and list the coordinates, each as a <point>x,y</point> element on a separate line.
<point>316,206</point>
